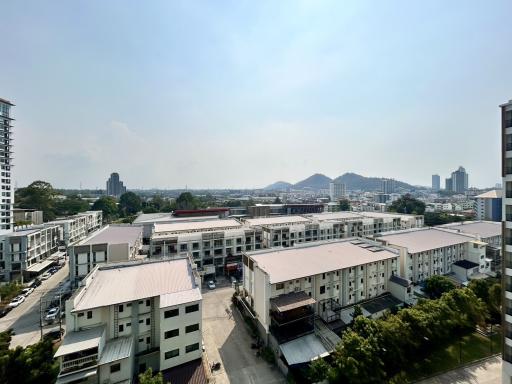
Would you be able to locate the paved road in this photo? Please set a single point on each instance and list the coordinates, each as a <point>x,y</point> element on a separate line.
<point>24,319</point>
<point>226,340</point>
<point>486,372</point>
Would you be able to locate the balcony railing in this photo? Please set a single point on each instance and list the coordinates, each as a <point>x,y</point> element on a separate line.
<point>508,193</point>
<point>508,170</point>
<point>76,364</point>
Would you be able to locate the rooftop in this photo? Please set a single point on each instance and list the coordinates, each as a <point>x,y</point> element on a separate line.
<point>484,229</point>
<point>312,259</point>
<point>197,225</point>
<point>116,349</point>
<point>466,264</point>
<point>115,284</point>
<point>424,239</point>
<point>80,341</point>
<point>494,194</point>
<point>169,218</point>
<point>115,235</point>
<point>277,220</point>
<point>335,216</point>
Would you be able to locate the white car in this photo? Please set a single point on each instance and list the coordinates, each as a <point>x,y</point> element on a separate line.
<point>51,314</point>
<point>211,284</point>
<point>27,291</point>
<point>45,276</point>
<point>16,301</point>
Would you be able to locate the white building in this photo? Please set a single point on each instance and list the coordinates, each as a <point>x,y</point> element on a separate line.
<point>112,243</point>
<point>488,205</point>
<point>337,190</point>
<point>79,226</point>
<point>127,318</point>
<point>7,203</point>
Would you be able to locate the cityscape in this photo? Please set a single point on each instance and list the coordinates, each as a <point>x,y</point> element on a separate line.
<point>240,226</point>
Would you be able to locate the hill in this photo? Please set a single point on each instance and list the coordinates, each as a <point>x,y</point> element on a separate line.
<point>278,186</point>
<point>316,181</point>
<point>354,181</point>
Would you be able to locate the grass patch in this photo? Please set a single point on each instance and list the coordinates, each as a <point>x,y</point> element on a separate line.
<point>8,291</point>
<point>472,347</point>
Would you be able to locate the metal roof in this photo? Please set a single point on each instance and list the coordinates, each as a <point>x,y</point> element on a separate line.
<point>336,216</point>
<point>494,194</point>
<point>80,341</point>
<point>115,235</point>
<point>116,349</point>
<point>177,298</point>
<point>278,220</point>
<point>38,267</point>
<point>291,301</point>
<point>197,225</point>
<point>484,229</point>
<point>303,350</point>
<point>466,264</point>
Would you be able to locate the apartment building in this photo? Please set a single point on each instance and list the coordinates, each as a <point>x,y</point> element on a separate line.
<point>77,227</point>
<point>26,253</point>
<point>130,317</point>
<point>114,243</point>
<point>488,205</point>
<point>432,251</point>
<point>298,293</point>
<point>216,246</point>
<point>27,216</point>
<point>337,190</point>
<point>6,217</point>
<point>506,171</point>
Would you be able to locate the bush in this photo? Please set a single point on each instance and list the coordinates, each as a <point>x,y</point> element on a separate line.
<point>268,355</point>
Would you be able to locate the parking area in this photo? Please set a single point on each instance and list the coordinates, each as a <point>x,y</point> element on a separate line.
<point>227,341</point>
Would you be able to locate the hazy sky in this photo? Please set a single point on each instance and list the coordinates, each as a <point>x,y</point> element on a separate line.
<point>245,93</point>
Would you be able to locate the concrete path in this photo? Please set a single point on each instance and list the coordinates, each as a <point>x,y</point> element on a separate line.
<point>485,372</point>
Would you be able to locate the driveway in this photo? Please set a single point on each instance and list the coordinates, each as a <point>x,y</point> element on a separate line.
<point>227,340</point>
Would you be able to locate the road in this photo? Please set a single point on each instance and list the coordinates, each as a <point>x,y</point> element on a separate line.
<point>484,372</point>
<point>24,319</point>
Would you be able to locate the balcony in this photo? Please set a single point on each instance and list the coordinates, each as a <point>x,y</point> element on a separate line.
<point>79,363</point>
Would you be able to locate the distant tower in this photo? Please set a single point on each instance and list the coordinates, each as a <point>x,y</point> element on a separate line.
<point>6,206</point>
<point>115,186</point>
<point>388,186</point>
<point>436,183</point>
<point>337,190</point>
<point>459,180</point>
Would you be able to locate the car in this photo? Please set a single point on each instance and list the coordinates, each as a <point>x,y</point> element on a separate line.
<point>53,270</point>
<point>27,291</point>
<point>16,301</point>
<point>52,314</point>
<point>5,310</point>
<point>211,284</point>
<point>56,334</point>
<point>45,276</point>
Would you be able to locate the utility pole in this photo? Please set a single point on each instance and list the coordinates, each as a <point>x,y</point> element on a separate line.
<point>60,311</point>
<point>41,314</point>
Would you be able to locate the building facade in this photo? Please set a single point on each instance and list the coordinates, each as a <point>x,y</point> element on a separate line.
<point>27,216</point>
<point>127,318</point>
<point>459,180</point>
<point>337,190</point>
<point>388,186</point>
<point>7,203</point>
<point>115,187</point>
<point>488,205</point>
<point>436,182</point>
<point>79,226</point>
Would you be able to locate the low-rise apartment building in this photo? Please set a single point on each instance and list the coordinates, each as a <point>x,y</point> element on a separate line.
<point>432,251</point>
<point>113,243</point>
<point>26,253</point>
<point>77,227</point>
<point>27,216</point>
<point>126,318</point>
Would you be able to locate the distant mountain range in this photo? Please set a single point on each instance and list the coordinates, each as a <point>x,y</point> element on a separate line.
<point>353,182</point>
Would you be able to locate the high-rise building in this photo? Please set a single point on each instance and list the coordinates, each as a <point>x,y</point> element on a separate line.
<point>6,215</point>
<point>506,271</point>
<point>459,180</point>
<point>388,186</point>
<point>337,190</point>
<point>448,184</point>
<point>115,186</point>
<point>436,182</point>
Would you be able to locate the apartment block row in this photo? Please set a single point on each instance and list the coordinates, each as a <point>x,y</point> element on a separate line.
<point>217,245</point>
<point>77,227</point>
<point>128,317</point>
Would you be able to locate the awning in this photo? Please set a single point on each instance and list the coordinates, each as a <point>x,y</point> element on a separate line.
<point>116,349</point>
<point>303,350</point>
<point>81,375</point>
<point>38,267</point>
<point>80,341</point>
<point>291,301</point>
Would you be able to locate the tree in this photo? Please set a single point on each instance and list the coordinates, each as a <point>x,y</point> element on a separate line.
<point>407,204</point>
<point>108,205</point>
<point>318,370</point>
<point>129,203</point>
<point>38,195</point>
<point>70,206</point>
<point>187,201</point>
<point>439,218</point>
<point>436,285</point>
<point>344,205</point>
<point>277,200</point>
<point>358,311</point>
<point>148,378</point>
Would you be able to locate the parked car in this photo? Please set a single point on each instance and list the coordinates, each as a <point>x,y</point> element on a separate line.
<point>211,284</point>
<point>35,283</point>
<point>53,270</point>
<point>5,310</point>
<point>16,301</point>
<point>27,291</point>
<point>45,276</point>
<point>52,314</point>
<point>54,335</point>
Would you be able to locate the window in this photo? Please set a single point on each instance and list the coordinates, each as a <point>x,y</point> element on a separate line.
<point>148,321</point>
<point>148,303</point>
<point>148,340</point>
<point>128,324</point>
<point>121,327</point>
<point>129,304</point>
<point>192,308</point>
<point>171,313</point>
<point>192,347</point>
<point>89,314</point>
<point>173,333</point>
<point>141,321</point>
<point>279,286</point>
<point>171,354</point>
<point>115,368</point>
<point>121,308</point>
<point>323,276</point>
<point>322,289</point>
<point>192,328</point>
<point>81,314</point>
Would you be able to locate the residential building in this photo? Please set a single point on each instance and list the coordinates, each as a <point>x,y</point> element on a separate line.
<point>388,186</point>
<point>114,243</point>
<point>26,253</point>
<point>448,184</point>
<point>27,216</point>
<point>337,190</point>
<point>76,227</point>
<point>128,317</point>
<point>264,210</point>
<point>436,183</point>
<point>7,203</point>
<point>426,252</point>
<point>115,186</point>
<point>459,181</point>
<point>506,171</point>
<point>488,205</point>
<point>205,212</point>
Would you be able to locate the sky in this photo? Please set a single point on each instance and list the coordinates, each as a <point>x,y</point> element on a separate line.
<point>240,94</point>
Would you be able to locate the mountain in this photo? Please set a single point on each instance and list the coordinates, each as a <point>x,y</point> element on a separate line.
<point>354,181</point>
<point>278,186</point>
<point>316,181</point>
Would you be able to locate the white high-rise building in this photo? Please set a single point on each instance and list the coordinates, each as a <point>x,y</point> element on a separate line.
<point>337,190</point>
<point>6,214</point>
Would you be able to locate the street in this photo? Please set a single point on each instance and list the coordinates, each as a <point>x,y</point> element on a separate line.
<point>25,319</point>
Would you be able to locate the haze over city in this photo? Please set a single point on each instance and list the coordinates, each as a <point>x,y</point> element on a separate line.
<point>240,95</point>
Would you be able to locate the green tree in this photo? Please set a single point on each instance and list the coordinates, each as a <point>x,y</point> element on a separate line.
<point>436,285</point>
<point>358,311</point>
<point>38,195</point>
<point>277,200</point>
<point>407,204</point>
<point>108,205</point>
<point>71,205</point>
<point>439,218</point>
<point>129,203</point>
<point>318,370</point>
<point>187,201</point>
<point>148,378</point>
<point>344,205</point>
